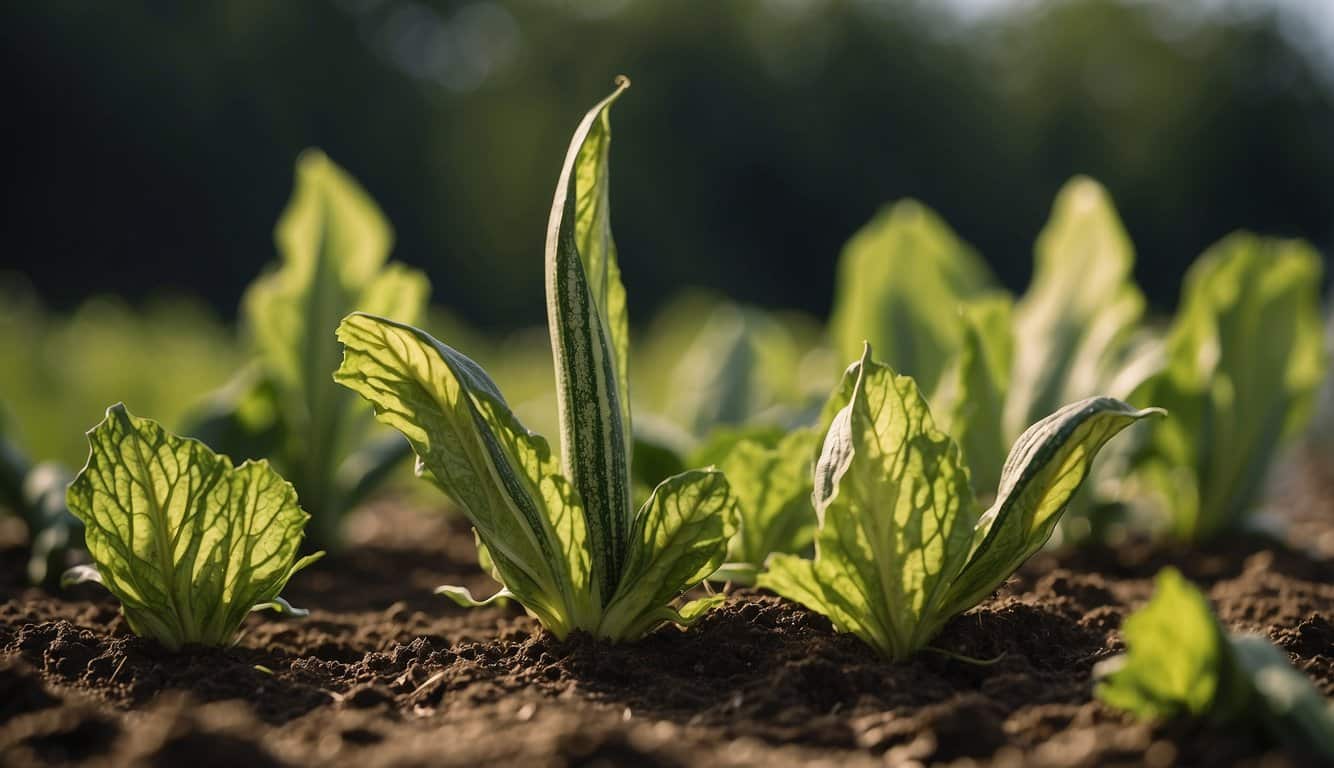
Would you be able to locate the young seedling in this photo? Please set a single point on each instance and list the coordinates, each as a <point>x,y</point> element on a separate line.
<point>334,243</point>
<point>1245,359</point>
<point>1179,662</point>
<point>188,543</point>
<point>900,546</point>
<point>559,532</point>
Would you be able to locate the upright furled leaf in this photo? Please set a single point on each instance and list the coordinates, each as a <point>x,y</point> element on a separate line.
<point>901,281</point>
<point>896,515</point>
<point>187,543</point>
<point>680,536</point>
<point>333,242</point>
<point>502,476</point>
<point>1045,467</point>
<point>589,341</point>
<point>1245,359</point>
<point>1073,324</point>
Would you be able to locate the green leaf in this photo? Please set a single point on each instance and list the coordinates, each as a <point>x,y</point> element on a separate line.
<point>723,440</point>
<point>896,515</point>
<point>772,486</point>
<point>1179,662</point>
<point>721,378</point>
<point>901,281</point>
<point>1046,465</point>
<point>972,394</point>
<point>242,419</point>
<point>1073,327</point>
<point>590,342</point>
<point>501,476</point>
<point>1245,358</point>
<point>334,243</point>
<point>188,543</point>
<point>680,536</point>
<point>1176,655</point>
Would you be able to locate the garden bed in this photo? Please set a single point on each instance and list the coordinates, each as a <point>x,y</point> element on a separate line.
<point>385,672</point>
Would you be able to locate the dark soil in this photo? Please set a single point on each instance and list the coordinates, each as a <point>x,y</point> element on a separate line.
<point>385,673</point>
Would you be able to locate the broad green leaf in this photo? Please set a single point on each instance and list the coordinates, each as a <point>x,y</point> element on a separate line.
<point>1045,467</point>
<point>972,394</point>
<point>503,477</point>
<point>901,281</point>
<point>590,342</point>
<point>188,543</point>
<point>334,243</point>
<point>1175,655</point>
<point>896,515</point>
<point>772,486</point>
<point>722,441</point>
<point>1072,327</point>
<point>722,376</point>
<point>1179,662</point>
<point>1245,359</point>
<point>680,536</point>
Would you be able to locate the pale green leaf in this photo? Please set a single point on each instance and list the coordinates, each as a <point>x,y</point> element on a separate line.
<point>1176,655</point>
<point>972,394</point>
<point>1073,326</point>
<point>901,281</point>
<point>1046,466</point>
<point>680,536</point>
<point>896,515</point>
<point>501,476</point>
<point>462,596</point>
<point>1179,662</point>
<point>590,342</point>
<point>187,543</point>
<point>333,242</point>
<point>1245,359</point>
<point>723,375</point>
<point>772,486</point>
<point>80,574</point>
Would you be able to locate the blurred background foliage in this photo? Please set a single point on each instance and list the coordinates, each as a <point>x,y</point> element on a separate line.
<point>154,143</point>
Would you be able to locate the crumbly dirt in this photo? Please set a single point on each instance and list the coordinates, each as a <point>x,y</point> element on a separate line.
<point>385,673</point>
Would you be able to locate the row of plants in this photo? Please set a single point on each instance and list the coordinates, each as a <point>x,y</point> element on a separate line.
<point>944,458</point>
